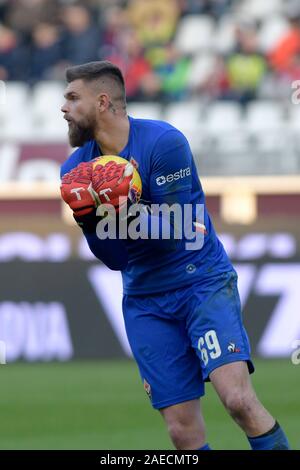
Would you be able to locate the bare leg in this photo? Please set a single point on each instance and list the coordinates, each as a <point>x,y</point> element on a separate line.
<point>185,425</point>
<point>233,385</point>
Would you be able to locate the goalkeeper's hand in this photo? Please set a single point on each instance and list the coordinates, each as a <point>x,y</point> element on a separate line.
<point>77,191</point>
<point>112,184</point>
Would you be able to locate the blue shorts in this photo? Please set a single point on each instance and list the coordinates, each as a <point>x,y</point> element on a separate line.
<point>179,337</point>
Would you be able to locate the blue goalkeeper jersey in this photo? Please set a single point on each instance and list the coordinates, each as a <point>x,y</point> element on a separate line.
<point>168,172</point>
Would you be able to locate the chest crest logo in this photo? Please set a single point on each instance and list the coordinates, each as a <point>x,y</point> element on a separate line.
<point>134,163</point>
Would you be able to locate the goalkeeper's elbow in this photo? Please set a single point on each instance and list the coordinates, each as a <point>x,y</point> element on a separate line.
<point>112,253</point>
<point>113,262</point>
<point>116,265</point>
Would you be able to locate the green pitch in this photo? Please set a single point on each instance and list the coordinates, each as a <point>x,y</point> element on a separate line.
<point>102,405</point>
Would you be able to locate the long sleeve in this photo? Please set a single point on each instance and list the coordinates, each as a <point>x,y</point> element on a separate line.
<point>170,184</point>
<point>111,252</point>
<point>165,224</point>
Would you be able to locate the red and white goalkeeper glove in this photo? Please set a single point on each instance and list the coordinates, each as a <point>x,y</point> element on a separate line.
<point>77,191</point>
<point>111,182</point>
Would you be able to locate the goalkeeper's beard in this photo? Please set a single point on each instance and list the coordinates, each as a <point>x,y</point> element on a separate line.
<point>80,134</point>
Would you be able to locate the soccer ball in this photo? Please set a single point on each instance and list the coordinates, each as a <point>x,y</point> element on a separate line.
<point>116,180</point>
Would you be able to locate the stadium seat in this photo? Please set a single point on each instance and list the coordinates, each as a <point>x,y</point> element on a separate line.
<point>47,98</point>
<point>17,127</point>
<point>262,116</point>
<point>195,33</point>
<point>48,122</point>
<point>14,101</point>
<point>294,117</point>
<point>144,110</point>
<point>16,94</point>
<point>265,121</point>
<point>54,129</point>
<point>223,117</point>
<point>224,40</point>
<point>184,115</point>
<point>225,138</point>
<point>202,68</point>
<point>259,9</point>
<point>271,32</point>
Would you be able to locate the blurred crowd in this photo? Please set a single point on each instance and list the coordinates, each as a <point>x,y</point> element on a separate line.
<point>40,38</point>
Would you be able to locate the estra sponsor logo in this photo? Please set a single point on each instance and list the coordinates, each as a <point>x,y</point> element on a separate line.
<point>182,173</point>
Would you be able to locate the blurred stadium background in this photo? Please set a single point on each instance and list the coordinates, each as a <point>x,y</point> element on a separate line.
<point>226,72</point>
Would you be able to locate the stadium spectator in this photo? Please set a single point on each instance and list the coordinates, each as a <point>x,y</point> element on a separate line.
<point>3,9</point>
<point>84,31</point>
<point>141,82</point>
<point>215,85</point>
<point>284,53</point>
<point>114,21</point>
<point>173,68</point>
<point>82,35</point>
<point>23,15</point>
<point>46,51</point>
<point>13,56</point>
<point>246,67</point>
<point>154,21</point>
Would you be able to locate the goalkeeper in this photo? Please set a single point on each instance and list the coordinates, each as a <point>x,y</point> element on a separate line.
<point>181,306</point>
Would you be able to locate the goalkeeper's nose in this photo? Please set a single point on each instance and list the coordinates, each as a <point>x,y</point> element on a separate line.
<point>64,109</point>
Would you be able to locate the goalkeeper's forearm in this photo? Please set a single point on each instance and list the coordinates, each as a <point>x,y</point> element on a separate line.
<point>165,225</point>
<point>111,252</point>
<point>159,242</point>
